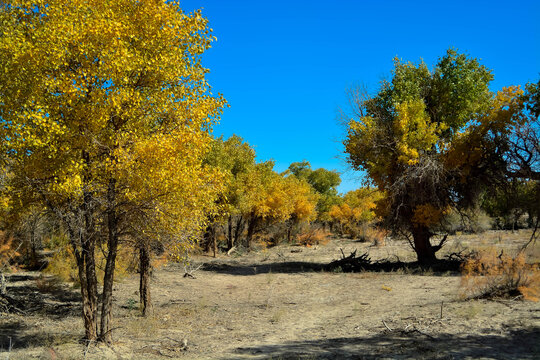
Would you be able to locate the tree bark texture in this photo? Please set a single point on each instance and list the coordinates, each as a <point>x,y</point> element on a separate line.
<point>422,246</point>
<point>108,277</point>
<point>144,280</point>
<point>230,239</point>
<point>252,223</point>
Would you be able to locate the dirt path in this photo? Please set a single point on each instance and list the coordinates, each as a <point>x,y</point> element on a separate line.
<point>277,304</point>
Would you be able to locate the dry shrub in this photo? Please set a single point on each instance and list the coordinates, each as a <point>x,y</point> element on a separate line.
<point>375,235</point>
<point>8,253</point>
<point>489,274</point>
<point>47,284</point>
<point>313,237</point>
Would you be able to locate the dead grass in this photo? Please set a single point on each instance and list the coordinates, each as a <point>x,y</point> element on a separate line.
<point>491,273</point>
<point>275,304</point>
<point>313,237</point>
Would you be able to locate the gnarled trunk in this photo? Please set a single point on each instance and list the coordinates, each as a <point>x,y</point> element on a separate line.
<point>422,246</point>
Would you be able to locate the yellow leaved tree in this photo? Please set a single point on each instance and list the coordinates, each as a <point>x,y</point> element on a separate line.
<point>106,115</point>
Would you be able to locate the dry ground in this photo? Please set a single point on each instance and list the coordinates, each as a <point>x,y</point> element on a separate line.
<point>278,304</point>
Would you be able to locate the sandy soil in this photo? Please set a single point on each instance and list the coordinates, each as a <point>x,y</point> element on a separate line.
<point>279,304</point>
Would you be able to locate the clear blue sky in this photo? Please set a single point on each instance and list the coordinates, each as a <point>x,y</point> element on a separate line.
<point>285,66</point>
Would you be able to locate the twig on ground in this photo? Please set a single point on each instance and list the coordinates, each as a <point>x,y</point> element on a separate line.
<point>88,342</point>
<point>387,326</point>
<point>188,271</point>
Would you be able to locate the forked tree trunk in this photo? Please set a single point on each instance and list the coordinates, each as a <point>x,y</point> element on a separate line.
<point>144,280</point>
<point>422,246</point>
<point>88,309</point>
<point>108,277</point>
<point>88,281</point>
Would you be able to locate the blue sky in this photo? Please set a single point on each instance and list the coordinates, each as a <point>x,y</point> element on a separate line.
<point>285,66</point>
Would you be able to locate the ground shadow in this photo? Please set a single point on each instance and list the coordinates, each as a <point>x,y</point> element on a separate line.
<point>285,267</point>
<point>518,344</point>
<point>439,268</point>
<point>16,335</point>
<point>50,298</point>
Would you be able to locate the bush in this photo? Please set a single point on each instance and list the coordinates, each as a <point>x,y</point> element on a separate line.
<point>313,236</point>
<point>489,275</point>
<point>8,253</point>
<point>374,235</point>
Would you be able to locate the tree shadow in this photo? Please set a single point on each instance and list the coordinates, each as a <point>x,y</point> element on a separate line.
<point>47,297</point>
<point>518,344</point>
<point>285,267</point>
<point>439,268</point>
<point>16,335</point>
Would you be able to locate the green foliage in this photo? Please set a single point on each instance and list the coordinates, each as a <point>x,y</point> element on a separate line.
<point>514,200</point>
<point>325,183</point>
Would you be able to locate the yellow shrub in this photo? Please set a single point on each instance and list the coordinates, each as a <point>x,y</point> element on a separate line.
<point>490,274</point>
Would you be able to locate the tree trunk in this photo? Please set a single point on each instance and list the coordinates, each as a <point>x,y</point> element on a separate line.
<point>108,277</point>
<point>422,246</point>
<point>91,280</point>
<point>144,283</point>
<point>208,239</point>
<point>238,229</point>
<point>252,222</point>
<point>230,239</point>
<point>214,241</point>
<point>88,309</point>
<point>289,233</point>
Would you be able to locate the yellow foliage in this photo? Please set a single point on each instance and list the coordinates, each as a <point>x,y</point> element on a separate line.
<point>414,131</point>
<point>427,214</point>
<point>111,92</point>
<point>264,193</point>
<point>64,266</point>
<point>358,206</point>
<point>469,145</point>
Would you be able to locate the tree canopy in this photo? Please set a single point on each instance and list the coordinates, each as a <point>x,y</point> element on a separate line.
<point>105,114</point>
<point>430,139</point>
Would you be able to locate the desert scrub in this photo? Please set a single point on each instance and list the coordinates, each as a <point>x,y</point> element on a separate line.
<point>490,274</point>
<point>313,237</point>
